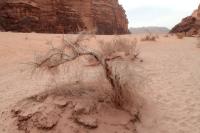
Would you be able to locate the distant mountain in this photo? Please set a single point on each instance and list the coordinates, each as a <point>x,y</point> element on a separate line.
<point>149,29</point>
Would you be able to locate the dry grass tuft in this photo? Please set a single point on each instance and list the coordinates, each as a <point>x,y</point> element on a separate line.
<point>119,46</point>
<point>149,37</point>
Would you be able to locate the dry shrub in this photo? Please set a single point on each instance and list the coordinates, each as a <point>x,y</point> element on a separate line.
<point>149,37</point>
<point>125,49</point>
<point>180,35</point>
<point>119,46</point>
<point>118,49</point>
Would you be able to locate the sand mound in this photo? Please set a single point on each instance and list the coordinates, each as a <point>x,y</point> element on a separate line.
<point>70,109</point>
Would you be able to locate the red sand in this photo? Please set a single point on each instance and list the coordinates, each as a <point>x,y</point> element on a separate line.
<point>170,69</point>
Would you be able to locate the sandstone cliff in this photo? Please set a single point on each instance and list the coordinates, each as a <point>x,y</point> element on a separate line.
<point>189,25</point>
<point>63,16</point>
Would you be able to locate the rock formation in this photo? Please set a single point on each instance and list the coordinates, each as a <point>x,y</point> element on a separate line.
<point>63,16</point>
<point>189,25</point>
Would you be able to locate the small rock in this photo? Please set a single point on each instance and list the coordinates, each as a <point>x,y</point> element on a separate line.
<point>87,121</point>
<point>61,102</point>
<point>15,112</point>
<point>81,109</point>
<point>84,107</point>
<point>45,121</point>
<point>71,105</point>
<point>40,98</point>
<point>24,117</point>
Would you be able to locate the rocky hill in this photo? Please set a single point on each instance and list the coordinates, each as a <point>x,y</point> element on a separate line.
<point>189,25</point>
<point>63,16</point>
<point>141,30</point>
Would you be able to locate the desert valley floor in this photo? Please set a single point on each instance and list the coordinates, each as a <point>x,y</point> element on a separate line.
<point>170,73</point>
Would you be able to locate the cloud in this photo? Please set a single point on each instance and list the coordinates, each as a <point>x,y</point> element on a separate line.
<point>157,12</point>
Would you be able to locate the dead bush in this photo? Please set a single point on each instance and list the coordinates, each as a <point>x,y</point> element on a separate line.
<point>118,49</point>
<point>149,37</point>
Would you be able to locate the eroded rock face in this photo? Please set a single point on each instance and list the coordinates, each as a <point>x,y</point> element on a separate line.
<point>189,25</point>
<point>63,16</point>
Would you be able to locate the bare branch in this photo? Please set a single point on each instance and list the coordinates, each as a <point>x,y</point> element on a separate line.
<point>59,56</point>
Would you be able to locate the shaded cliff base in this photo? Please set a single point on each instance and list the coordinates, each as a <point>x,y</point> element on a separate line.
<point>29,25</point>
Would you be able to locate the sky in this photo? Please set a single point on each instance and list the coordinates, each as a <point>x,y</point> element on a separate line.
<point>165,13</point>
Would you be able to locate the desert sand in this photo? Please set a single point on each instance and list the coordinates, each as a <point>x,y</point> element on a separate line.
<point>170,74</point>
